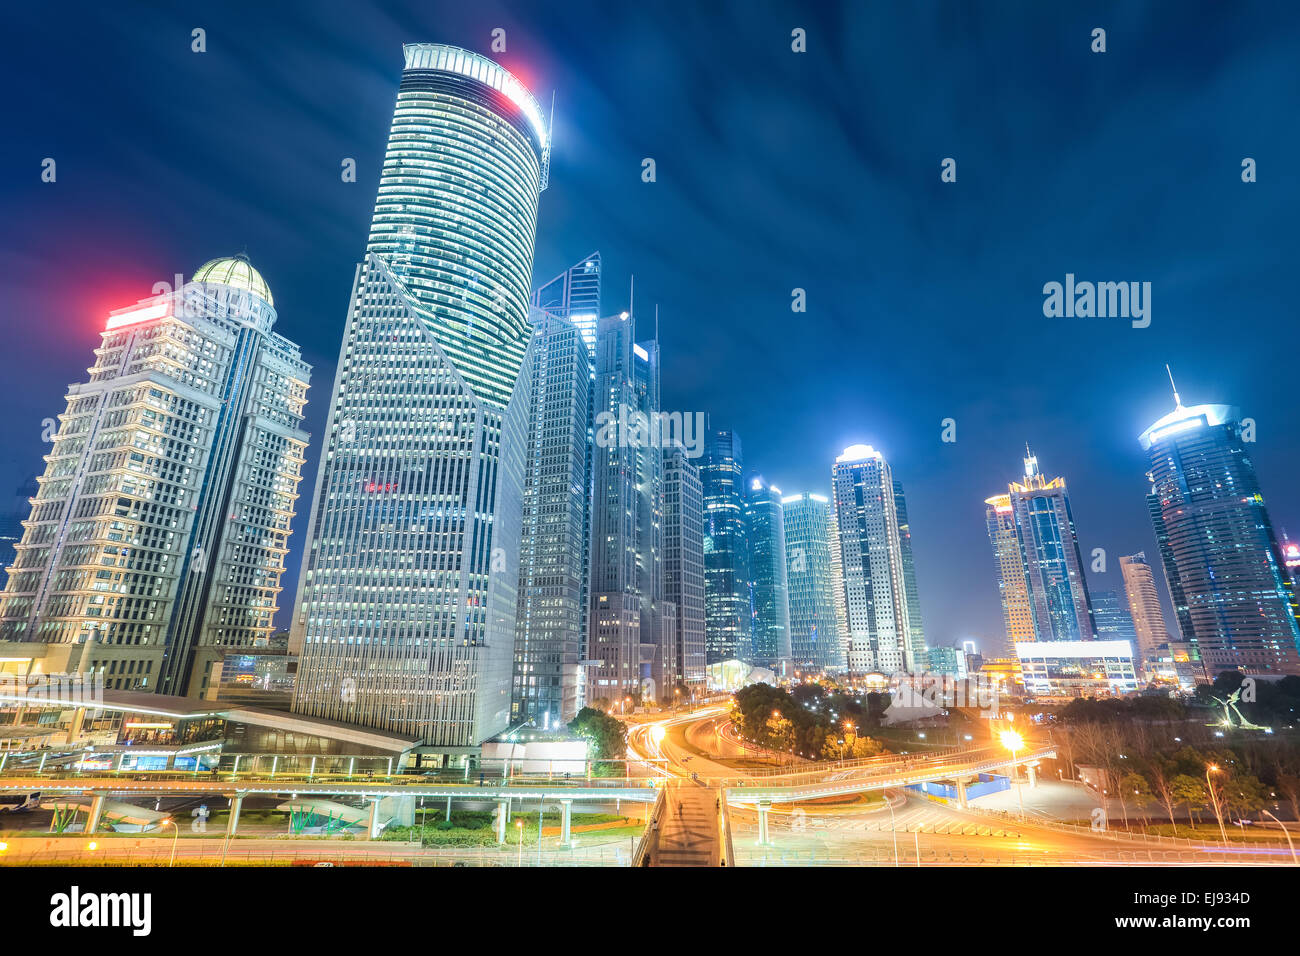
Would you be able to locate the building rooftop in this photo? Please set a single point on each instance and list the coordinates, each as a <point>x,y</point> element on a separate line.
<point>235,271</point>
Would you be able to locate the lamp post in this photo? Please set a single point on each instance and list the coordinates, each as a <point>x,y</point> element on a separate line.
<point>520,827</point>
<point>1287,832</point>
<point>163,823</point>
<point>1214,800</point>
<point>1014,742</point>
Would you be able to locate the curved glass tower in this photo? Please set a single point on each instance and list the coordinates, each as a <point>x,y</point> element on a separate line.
<point>407,607</point>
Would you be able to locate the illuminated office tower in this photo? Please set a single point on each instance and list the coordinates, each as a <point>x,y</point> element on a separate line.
<point>408,601</point>
<point>1144,603</point>
<point>915,630</point>
<point>575,295</point>
<point>814,626</point>
<point>837,584</point>
<point>1222,558</point>
<point>630,634</point>
<point>684,563</point>
<point>1049,550</point>
<point>1013,586</point>
<point>156,542</point>
<point>768,575</point>
<point>1111,618</point>
<point>727,604</point>
<point>875,588</point>
<point>549,634</point>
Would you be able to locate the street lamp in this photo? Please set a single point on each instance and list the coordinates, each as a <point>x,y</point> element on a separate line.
<point>162,823</point>
<point>1014,742</point>
<point>520,827</point>
<point>1294,859</point>
<point>1214,799</point>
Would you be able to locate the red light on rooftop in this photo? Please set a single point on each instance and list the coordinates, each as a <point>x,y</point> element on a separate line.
<point>145,313</point>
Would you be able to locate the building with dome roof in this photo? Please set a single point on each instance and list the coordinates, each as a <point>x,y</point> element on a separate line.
<point>156,541</point>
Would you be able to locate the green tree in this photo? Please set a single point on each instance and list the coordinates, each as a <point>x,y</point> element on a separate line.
<point>607,734</point>
<point>1191,791</point>
<point>1136,790</point>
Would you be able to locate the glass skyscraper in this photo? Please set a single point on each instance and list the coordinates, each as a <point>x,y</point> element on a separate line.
<point>728,609</point>
<point>875,588</point>
<point>407,607</point>
<point>1144,603</point>
<point>1225,569</point>
<point>575,295</point>
<point>631,636</point>
<point>915,630</point>
<point>1111,618</point>
<point>1049,553</point>
<point>815,639</point>
<point>1013,586</point>
<point>770,623</point>
<point>156,541</point>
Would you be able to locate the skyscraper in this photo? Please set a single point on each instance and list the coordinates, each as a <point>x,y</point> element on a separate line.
<point>728,610</point>
<point>815,639</point>
<point>1144,603</point>
<point>1013,586</point>
<point>1111,618</point>
<point>837,585</point>
<point>549,635</point>
<point>770,623</point>
<point>407,608</point>
<point>575,295</point>
<point>684,563</point>
<point>1049,551</point>
<point>157,539</point>
<point>875,585</point>
<point>915,630</point>
<point>1222,558</point>
<point>627,620</point>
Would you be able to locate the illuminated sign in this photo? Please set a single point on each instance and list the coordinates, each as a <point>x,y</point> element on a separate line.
<point>145,313</point>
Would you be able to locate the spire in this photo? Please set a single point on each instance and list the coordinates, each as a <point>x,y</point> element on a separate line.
<point>1031,463</point>
<point>1178,402</point>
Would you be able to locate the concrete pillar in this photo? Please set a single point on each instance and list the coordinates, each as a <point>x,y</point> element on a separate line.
<point>74,728</point>
<point>763,838</point>
<point>566,837</point>
<point>448,816</point>
<point>96,811</point>
<point>372,819</point>
<point>1032,771</point>
<point>236,804</point>
<point>961,792</point>
<point>501,821</point>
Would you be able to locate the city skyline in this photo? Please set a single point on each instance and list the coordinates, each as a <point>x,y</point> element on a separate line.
<point>792,428</point>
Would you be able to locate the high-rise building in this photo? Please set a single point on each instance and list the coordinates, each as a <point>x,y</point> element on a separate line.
<point>575,295</point>
<point>875,585</point>
<point>1144,603</point>
<point>630,635</point>
<point>549,635</point>
<point>837,585</point>
<point>915,630</point>
<point>684,563</point>
<point>407,607</point>
<point>1013,586</point>
<point>157,539</point>
<point>1049,552</point>
<point>1224,566</point>
<point>728,609</point>
<point>1111,617</point>
<point>770,623</point>
<point>815,640</point>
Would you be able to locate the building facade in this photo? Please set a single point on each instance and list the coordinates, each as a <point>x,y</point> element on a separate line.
<point>407,606</point>
<point>1143,603</point>
<point>1111,618</point>
<point>875,589</point>
<point>915,629</point>
<point>684,565</point>
<point>627,635</point>
<point>156,541</point>
<point>768,575</point>
<point>549,628</point>
<point>727,602</point>
<point>815,639</point>
<point>1013,586</point>
<point>1233,595</point>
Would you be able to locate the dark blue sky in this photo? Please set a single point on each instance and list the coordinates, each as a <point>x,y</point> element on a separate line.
<point>776,170</point>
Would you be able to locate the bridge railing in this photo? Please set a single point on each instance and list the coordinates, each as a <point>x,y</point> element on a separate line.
<point>648,845</point>
<point>727,847</point>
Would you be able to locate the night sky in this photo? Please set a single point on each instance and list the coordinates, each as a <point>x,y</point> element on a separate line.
<point>776,170</point>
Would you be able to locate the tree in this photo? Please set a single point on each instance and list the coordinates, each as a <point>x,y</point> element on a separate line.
<point>1162,776</point>
<point>1191,791</point>
<point>1289,785</point>
<point>1136,790</point>
<point>1242,793</point>
<point>607,734</point>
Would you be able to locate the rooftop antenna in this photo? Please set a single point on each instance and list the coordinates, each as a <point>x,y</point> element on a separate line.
<point>631,297</point>
<point>656,323</point>
<point>1178,402</point>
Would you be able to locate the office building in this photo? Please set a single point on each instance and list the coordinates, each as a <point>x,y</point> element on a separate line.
<point>1013,586</point>
<point>815,640</point>
<point>770,624</point>
<point>1225,568</point>
<point>1068,669</point>
<point>684,566</point>
<point>156,541</point>
<point>916,631</point>
<point>1111,618</point>
<point>1144,603</point>
<point>727,603</point>
<point>409,595</point>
